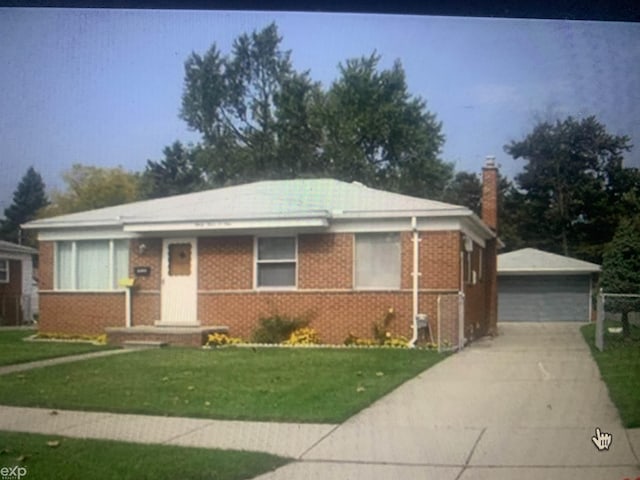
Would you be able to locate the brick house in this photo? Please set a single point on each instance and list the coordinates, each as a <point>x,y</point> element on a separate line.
<point>341,253</point>
<point>18,296</point>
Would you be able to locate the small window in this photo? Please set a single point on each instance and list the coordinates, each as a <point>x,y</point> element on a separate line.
<point>179,259</point>
<point>276,262</point>
<point>377,260</point>
<point>4,271</point>
<point>480,250</point>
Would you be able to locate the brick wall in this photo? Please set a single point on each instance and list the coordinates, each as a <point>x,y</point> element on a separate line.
<point>225,263</point>
<point>440,260</point>
<point>225,269</point>
<point>45,266</point>
<point>475,321</point>
<point>334,314</point>
<point>150,257</point>
<point>325,261</point>
<point>81,313</point>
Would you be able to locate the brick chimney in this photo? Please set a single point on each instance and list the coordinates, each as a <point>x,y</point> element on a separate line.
<point>490,193</point>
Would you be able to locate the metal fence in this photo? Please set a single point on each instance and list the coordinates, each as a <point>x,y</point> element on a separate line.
<point>16,310</point>
<point>450,322</point>
<point>610,309</point>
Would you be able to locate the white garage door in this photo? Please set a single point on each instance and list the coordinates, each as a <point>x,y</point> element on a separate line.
<point>543,298</point>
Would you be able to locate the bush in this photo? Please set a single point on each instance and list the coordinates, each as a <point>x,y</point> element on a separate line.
<point>353,340</point>
<point>381,330</point>
<point>303,336</point>
<point>277,328</point>
<point>221,339</point>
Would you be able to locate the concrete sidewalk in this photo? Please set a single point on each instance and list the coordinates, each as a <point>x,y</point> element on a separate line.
<point>285,439</point>
<point>522,406</point>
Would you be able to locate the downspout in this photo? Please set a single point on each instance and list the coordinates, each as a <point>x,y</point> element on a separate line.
<point>415,274</point>
<point>128,307</point>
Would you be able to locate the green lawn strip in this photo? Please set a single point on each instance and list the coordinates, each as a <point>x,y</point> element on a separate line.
<point>82,459</point>
<point>619,366</point>
<point>14,350</point>
<point>270,384</point>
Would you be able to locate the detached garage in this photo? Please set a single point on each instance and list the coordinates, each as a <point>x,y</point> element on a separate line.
<point>537,286</point>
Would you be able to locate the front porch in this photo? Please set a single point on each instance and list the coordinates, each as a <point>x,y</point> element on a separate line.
<point>195,336</point>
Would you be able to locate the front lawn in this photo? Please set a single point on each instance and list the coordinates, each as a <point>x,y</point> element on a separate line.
<point>72,458</point>
<point>619,365</point>
<point>271,384</point>
<point>14,350</point>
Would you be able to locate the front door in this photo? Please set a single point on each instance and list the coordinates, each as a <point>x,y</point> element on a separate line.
<point>179,282</point>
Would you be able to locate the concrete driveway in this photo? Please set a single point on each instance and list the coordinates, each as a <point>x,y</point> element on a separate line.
<point>521,406</point>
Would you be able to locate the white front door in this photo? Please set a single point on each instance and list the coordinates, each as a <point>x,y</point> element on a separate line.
<point>179,292</point>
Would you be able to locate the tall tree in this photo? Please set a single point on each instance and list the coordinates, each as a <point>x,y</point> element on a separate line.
<point>465,189</point>
<point>567,182</point>
<point>621,270</point>
<point>380,134</point>
<point>259,118</point>
<point>28,198</point>
<point>253,110</point>
<point>179,172</point>
<point>89,187</point>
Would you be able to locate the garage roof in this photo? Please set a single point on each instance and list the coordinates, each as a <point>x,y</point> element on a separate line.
<point>533,261</point>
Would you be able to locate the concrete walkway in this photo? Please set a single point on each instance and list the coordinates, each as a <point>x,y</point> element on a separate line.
<point>522,406</point>
<point>21,367</point>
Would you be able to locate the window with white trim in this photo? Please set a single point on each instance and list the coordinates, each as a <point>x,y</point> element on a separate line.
<point>91,264</point>
<point>276,259</point>
<point>4,271</point>
<point>377,262</point>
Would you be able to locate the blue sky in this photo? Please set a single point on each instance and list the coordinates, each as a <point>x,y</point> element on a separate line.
<point>103,87</point>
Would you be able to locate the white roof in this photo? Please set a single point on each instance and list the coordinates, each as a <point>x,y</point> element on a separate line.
<point>8,247</point>
<point>531,260</point>
<point>312,199</point>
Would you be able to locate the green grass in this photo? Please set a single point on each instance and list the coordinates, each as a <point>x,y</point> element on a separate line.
<point>619,365</point>
<point>270,384</point>
<point>99,459</point>
<point>14,350</point>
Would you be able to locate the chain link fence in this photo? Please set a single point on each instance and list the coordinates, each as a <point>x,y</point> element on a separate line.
<point>450,322</point>
<point>611,309</point>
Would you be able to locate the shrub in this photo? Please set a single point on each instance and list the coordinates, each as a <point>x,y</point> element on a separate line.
<point>353,340</point>
<point>303,336</point>
<point>221,339</point>
<point>381,329</point>
<point>277,328</point>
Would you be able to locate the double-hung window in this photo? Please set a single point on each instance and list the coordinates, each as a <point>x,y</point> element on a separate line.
<point>4,271</point>
<point>377,263</point>
<point>91,264</point>
<point>276,262</point>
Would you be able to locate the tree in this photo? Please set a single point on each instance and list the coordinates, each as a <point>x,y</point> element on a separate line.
<point>621,270</point>
<point>28,198</point>
<point>259,118</point>
<point>90,187</point>
<point>253,110</point>
<point>567,184</point>
<point>178,173</point>
<point>379,134</point>
<point>465,189</point>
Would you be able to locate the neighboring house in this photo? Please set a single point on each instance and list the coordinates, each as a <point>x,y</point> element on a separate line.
<point>341,252</point>
<point>18,295</point>
<point>537,286</point>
